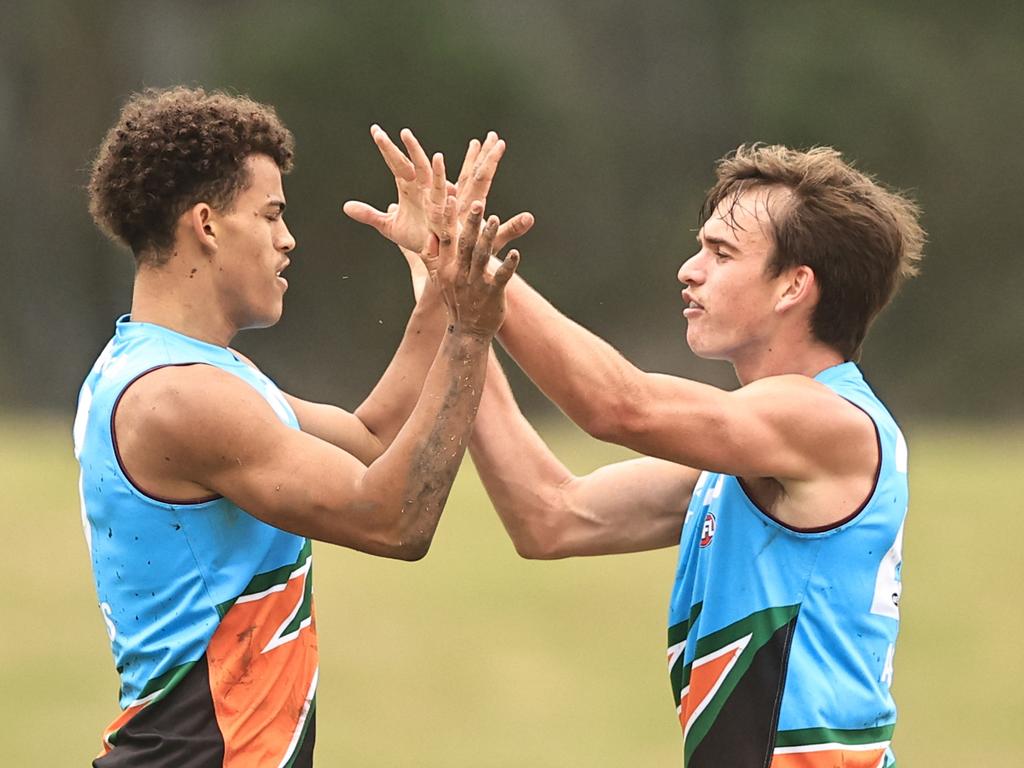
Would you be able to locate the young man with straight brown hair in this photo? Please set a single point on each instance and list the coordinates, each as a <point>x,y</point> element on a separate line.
<point>787,496</point>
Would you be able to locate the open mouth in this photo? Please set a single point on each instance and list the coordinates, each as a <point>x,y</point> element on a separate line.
<point>692,306</point>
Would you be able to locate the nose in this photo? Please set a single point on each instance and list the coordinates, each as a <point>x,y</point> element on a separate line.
<point>691,272</point>
<point>285,241</point>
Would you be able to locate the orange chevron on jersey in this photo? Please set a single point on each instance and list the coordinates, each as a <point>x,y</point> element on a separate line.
<point>830,756</point>
<point>263,663</point>
<point>706,677</point>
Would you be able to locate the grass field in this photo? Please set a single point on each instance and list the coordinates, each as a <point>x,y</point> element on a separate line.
<point>474,657</point>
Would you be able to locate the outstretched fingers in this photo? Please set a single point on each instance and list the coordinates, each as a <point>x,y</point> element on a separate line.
<point>484,246</point>
<point>420,161</point>
<point>468,236</point>
<point>468,162</point>
<point>507,268</point>
<point>439,194</point>
<point>396,160</point>
<point>448,257</point>
<point>478,185</point>
<point>512,229</point>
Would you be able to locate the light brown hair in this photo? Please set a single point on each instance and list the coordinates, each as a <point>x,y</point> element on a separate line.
<point>861,239</point>
<point>171,149</point>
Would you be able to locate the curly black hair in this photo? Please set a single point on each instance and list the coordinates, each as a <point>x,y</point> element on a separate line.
<point>172,148</point>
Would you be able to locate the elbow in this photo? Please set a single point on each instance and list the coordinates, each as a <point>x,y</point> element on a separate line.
<point>389,539</point>
<point>539,541</point>
<point>395,547</point>
<point>401,542</point>
<point>411,537</point>
<point>412,550</point>
<point>531,550</point>
<point>527,548</point>
<point>398,529</point>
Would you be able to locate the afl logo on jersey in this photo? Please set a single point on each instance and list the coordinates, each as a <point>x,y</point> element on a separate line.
<point>707,530</point>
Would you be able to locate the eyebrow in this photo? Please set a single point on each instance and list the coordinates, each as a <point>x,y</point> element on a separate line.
<point>276,203</point>
<point>712,240</point>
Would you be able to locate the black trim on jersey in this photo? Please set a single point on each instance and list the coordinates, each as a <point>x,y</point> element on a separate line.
<point>117,451</point>
<point>743,734</point>
<point>304,756</point>
<point>839,523</point>
<point>178,731</point>
<point>181,731</point>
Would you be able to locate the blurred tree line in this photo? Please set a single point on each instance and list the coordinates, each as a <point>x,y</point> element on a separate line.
<point>614,112</point>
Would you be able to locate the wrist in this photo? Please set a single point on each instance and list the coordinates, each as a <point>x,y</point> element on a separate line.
<point>468,334</point>
<point>430,300</point>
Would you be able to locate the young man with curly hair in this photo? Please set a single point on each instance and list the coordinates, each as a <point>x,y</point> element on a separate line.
<point>787,496</point>
<point>202,483</point>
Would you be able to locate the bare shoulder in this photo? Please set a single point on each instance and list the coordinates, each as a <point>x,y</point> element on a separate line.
<point>829,432</point>
<point>188,397</point>
<point>173,424</point>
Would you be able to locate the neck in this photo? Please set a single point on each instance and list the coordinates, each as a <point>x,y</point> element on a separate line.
<point>179,296</point>
<point>808,358</point>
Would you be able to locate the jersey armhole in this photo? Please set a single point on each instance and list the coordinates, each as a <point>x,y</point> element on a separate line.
<point>117,451</point>
<point>829,527</point>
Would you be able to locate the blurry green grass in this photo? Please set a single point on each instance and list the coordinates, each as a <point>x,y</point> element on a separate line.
<point>474,657</point>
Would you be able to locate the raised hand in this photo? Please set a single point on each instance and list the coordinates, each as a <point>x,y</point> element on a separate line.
<point>406,223</point>
<point>473,295</point>
<point>476,176</point>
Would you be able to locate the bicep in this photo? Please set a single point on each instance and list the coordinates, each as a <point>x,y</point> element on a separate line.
<point>629,506</point>
<point>783,427</point>
<point>228,439</point>
<point>284,477</point>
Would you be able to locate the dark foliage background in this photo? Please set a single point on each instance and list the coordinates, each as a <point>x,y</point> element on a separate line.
<point>614,112</point>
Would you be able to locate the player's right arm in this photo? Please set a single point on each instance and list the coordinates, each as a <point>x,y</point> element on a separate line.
<point>548,511</point>
<point>187,432</point>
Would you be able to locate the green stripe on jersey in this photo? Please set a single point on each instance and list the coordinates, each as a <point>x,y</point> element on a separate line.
<point>852,737</point>
<point>261,582</point>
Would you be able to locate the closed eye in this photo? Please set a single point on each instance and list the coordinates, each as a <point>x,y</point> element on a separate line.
<point>275,210</point>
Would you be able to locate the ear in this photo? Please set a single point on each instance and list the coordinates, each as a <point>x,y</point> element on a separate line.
<point>799,289</point>
<point>201,225</point>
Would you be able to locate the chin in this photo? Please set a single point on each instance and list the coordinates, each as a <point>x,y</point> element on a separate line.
<point>265,320</point>
<point>703,350</point>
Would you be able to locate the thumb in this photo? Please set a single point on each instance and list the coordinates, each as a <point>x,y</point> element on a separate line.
<point>514,228</point>
<point>365,214</point>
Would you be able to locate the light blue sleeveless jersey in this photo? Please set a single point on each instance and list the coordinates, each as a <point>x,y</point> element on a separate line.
<point>781,641</point>
<point>168,573</point>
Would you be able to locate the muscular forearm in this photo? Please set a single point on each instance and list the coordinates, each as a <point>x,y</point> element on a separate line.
<point>580,372</point>
<point>548,512</point>
<point>523,478</point>
<point>411,480</point>
<point>388,406</point>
